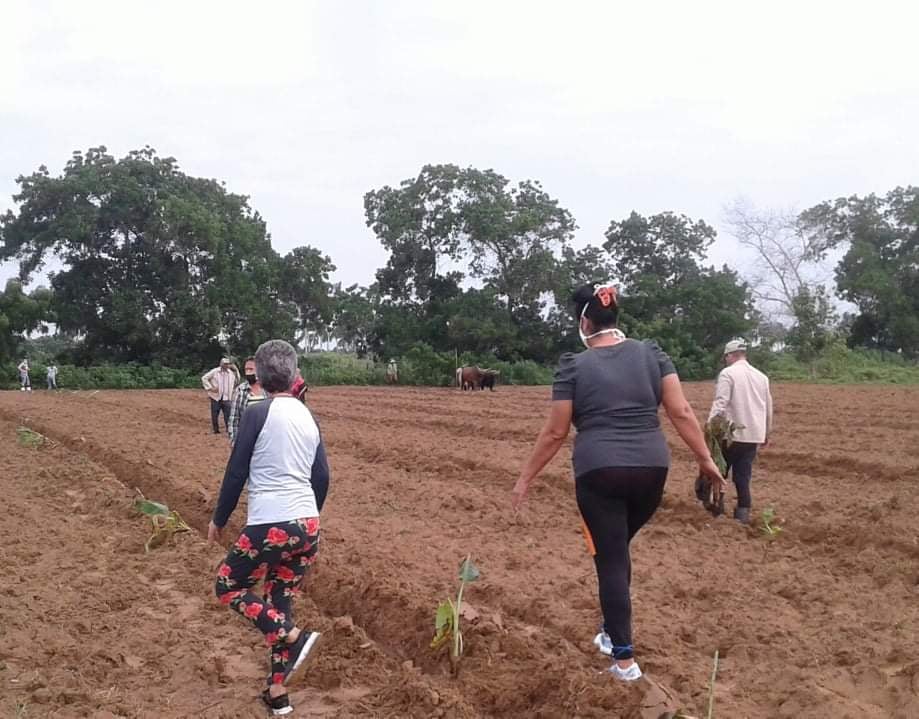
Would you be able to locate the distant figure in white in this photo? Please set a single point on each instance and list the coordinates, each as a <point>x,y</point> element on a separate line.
<point>220,383</point>
<point>52,376</point>
<point>25,384</point>
<point>392,372</point>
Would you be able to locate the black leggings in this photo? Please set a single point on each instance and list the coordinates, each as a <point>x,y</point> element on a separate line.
<point>615,503</point>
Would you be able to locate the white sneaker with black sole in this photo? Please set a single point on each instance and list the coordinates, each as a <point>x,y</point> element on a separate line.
<point>604,644</point>
<point>631,674</point>
<point>300,652</point>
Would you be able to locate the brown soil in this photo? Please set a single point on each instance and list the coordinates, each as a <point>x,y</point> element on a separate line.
<point>821,621</point>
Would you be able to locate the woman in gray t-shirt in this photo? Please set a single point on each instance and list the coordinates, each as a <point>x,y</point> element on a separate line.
<point>611,393</point>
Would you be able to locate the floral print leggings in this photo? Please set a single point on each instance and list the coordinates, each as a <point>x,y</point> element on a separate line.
<point>279,555</point>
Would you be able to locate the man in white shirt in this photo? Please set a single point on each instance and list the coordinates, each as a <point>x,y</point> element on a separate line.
<point>744,398</point>
<point>392,372</point>
<point>219,384</point>
<point>25,384</point>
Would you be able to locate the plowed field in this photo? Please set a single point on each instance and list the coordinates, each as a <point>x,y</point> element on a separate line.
<point>821,621</point>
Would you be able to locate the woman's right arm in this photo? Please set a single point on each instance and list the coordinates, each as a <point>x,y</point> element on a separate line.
<point>687,426</point>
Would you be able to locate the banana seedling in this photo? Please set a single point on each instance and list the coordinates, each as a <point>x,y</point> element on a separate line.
<point>770,528</point>
<point>447,620</point>
<point>719,435</point>
<point>163,522</point>
<point>32,439</point>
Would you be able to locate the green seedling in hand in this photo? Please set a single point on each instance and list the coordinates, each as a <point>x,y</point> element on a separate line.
<point>163,522</point>
<point>719,435</point>
<point>447,619</point>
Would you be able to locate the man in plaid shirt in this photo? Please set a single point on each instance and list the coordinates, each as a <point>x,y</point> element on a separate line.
<point>247,393</point>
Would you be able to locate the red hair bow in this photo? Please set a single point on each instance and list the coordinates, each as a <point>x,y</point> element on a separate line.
<point>606,295</point>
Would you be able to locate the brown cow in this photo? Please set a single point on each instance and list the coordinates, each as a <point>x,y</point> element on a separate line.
<point>476,378</point>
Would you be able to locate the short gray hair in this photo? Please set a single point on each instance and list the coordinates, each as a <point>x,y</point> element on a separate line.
<point>276,365</point>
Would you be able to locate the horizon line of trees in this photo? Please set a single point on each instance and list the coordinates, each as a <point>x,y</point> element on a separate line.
<point>157,267</point>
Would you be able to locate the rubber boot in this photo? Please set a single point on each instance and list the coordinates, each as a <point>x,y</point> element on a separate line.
<point>742,514</point>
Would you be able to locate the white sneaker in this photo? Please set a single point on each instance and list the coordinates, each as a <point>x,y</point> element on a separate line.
<point>604,644</point>
<point>631,674</point>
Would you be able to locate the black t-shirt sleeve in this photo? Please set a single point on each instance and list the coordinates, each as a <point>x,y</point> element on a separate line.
<point>664,363</point>
<point>565,376</point>
<point>237,472</point>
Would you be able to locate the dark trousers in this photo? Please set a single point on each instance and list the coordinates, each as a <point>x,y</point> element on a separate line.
<point>278,555</point>
<point>615,503</point>
<point>740,457</point>
<point>218,406</point>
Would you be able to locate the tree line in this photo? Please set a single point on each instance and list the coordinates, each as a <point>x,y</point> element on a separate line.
<point>149,265</point>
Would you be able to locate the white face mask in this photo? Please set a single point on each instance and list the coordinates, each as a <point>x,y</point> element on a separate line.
<point>615,332</point>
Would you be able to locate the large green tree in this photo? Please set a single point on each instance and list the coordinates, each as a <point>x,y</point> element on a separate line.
<point>813,330</point>
<point>671,295</point>
<point>20,314</point>
<point>451,226</point>
<point>305,285</point>
<point>879,272</point>
<point>156,265</point>
<point>354,318</point>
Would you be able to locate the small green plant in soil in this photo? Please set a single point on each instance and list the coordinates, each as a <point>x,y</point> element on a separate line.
<point>163,522</point>
<point>769,523</point>
<point>30,438</point>
<point>447,620</point>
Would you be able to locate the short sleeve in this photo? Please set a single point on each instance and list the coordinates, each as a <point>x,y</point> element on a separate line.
<point>563,385</point>
<point>664,363</point>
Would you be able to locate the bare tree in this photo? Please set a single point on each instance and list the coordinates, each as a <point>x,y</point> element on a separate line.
<point>787,260</point>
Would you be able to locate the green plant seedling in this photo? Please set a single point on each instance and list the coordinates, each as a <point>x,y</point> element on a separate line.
<point>447,619</point>
<point>719,435</point>
<point>769,527</point>
<point>163,522</point>
<point>30,438</point>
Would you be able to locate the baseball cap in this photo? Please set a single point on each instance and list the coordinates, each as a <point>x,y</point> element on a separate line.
<point>735,346</point>
<point>224,360</point>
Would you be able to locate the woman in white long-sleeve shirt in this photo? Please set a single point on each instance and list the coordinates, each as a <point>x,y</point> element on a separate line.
<point>279,452</point>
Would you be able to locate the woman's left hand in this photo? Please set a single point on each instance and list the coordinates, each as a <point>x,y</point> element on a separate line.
<point>519,493</point>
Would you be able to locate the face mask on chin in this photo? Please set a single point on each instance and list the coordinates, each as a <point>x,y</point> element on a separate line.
<point>251,379</point>
<point>614,331</point>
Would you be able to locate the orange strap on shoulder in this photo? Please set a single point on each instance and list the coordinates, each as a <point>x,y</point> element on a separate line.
<point>591,548</point>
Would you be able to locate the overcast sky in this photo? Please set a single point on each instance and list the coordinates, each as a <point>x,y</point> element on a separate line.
<point>614,106</point>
